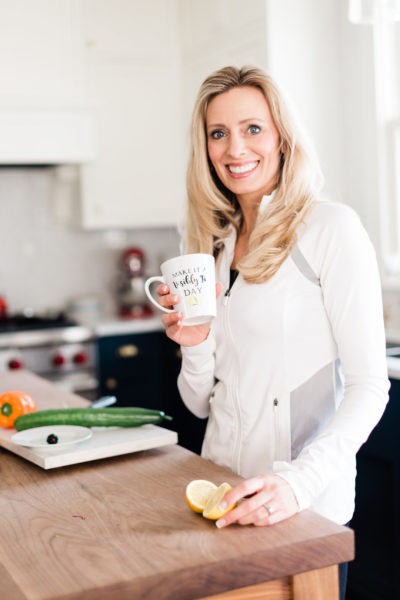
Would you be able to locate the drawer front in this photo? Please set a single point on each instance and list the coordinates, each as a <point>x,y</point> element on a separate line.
<point>123,356</point>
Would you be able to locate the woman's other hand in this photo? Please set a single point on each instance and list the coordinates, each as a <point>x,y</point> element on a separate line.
<point>262,500</point>
<point>175,330</point>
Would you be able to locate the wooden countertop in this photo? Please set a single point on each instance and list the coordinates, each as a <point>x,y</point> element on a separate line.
<point>120,528</point>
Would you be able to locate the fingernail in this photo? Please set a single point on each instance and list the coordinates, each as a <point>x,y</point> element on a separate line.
<point>164,288</point>
<point>179,323</point>
<point>220,523</point>
<point>174,298</point>
<point>223,505</point>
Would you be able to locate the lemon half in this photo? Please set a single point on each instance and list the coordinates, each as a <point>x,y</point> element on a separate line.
<point>211,509</point>
<point>198,492</point>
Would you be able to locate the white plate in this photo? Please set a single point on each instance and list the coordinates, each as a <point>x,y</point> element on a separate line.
<point>36,437</point>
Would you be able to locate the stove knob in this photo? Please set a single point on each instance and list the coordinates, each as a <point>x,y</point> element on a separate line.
<point>58,360</point>
<point>15,363</point>
<point>80,358</point>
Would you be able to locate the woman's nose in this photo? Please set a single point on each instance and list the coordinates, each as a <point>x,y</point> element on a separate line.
<point>237,146</point>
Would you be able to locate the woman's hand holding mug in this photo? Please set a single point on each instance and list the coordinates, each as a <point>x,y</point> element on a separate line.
<point>187,295</point>
<point>184,335</point>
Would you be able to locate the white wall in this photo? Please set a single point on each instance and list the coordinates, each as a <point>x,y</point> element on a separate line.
<point>302,56</point>
<point>325,64</point>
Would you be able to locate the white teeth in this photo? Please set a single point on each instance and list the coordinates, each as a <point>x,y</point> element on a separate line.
<point>244,168</point>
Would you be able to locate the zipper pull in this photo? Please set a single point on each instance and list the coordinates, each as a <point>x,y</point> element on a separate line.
<point>226,297</point>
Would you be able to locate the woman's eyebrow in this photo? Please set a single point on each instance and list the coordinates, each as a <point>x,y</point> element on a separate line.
<point>250,120</point>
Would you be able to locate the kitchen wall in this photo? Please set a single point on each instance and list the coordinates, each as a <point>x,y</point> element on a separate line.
<point>326,66</point>
<point>45,262</point>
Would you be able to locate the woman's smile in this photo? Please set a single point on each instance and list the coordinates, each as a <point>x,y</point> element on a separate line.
<point>239,170</point>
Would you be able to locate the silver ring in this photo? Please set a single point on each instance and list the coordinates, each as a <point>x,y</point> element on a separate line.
<point>268,508</point>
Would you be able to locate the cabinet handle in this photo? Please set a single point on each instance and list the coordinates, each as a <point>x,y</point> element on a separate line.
<point>128,351</point>
<point>111,383</point>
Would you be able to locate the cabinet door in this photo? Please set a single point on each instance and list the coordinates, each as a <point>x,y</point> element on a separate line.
<point>41,58</point>
<point>374,574</point>
<point>133,81</point>
<point>129,368</point>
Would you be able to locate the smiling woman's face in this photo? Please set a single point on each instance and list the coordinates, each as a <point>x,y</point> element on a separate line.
<point>243,142</point>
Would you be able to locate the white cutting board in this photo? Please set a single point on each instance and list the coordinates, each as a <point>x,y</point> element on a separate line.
<point>105,442</point>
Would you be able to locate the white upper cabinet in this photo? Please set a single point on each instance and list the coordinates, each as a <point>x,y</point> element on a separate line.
<point>40,53</point>
<point>132,75</point>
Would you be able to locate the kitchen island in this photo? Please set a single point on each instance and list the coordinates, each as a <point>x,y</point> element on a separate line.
<point>120,528</point>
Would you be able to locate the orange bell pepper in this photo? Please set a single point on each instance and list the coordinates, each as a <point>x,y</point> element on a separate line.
<point>12,405</point>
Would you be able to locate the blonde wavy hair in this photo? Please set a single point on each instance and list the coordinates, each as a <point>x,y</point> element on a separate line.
<point>212,207</point>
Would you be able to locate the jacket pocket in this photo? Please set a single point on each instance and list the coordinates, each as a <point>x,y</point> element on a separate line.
<point>218,437</point>
<point>281,421</point>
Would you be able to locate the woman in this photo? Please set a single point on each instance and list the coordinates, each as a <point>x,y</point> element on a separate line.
<point>292,372</point>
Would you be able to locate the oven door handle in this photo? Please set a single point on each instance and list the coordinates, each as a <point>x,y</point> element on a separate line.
<point>104,401</point>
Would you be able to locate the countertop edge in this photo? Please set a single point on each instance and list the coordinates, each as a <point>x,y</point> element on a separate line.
<point>231,574</point>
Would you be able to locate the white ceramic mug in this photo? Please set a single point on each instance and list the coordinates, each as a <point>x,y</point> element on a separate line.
<point>192,278</point>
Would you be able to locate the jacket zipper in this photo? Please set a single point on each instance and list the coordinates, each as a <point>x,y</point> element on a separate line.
<point>276,427</point>
<point>231,284</point>
<point>236,445</point>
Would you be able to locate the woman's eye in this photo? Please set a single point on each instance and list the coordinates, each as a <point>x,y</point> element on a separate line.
<point>254,129</point>
<point>217,135</point>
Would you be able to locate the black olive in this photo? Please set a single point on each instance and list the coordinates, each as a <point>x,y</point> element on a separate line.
<point>52,439</point>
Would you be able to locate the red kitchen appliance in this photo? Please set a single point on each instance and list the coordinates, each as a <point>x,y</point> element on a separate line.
<point>131,297</point>
<point>3,308</point>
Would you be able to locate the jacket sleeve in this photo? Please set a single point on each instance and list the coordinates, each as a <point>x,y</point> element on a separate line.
<point>344,259</point>
<point>196,378</point>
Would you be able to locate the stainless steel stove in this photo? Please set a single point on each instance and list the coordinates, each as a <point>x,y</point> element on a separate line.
<point>53,347</point>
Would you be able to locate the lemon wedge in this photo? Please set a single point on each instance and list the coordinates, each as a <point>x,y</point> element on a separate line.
<point>211,509</point>
<point>198,492</point>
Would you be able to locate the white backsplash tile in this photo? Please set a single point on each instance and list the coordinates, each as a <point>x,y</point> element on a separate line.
<point>44,263</point>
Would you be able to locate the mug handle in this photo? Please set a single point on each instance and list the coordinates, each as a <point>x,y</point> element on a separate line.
<point>147,285</point>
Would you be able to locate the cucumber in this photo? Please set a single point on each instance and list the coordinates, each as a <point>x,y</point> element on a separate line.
<point>132,416</point>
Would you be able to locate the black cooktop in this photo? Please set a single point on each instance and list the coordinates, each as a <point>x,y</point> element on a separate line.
<point>20,322</point>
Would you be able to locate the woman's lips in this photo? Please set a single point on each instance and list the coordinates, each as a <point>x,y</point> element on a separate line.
<point>240,170</point>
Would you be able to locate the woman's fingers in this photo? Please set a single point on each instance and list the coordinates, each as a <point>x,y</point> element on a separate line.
<point>168,300</point>
<point>246,511</point>
<point>171,319</point>
<point>165,299</point>
<point>162,289</point>
<point>271,500</point>
<point>246,488</point>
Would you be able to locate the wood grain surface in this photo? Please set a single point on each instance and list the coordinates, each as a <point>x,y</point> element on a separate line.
<point>309,586</point>
<point>121,528</point>
<point>278,589</point>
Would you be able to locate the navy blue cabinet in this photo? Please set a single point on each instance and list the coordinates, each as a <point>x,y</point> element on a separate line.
<point>142,370</point>
<point>375,572</point>
<point>129,368</point>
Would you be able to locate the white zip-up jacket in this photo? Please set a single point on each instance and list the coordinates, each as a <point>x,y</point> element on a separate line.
<point>293,374</point>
